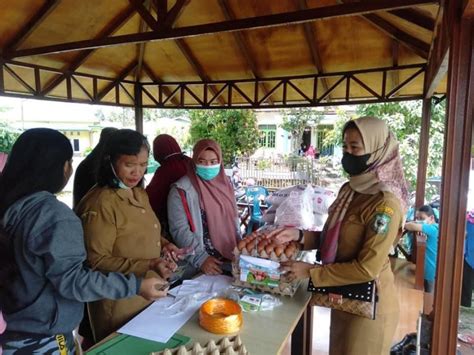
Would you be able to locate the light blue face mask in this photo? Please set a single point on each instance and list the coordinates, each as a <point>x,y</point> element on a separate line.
<point>208,172</point>
<point>119,182</point>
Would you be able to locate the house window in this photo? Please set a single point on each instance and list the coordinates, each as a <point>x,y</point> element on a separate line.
<point>75,144</point>
<point>267,135</point>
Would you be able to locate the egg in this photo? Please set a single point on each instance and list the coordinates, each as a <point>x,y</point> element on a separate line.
<point>261,246</point>
<point>269,248</point>
<point>278,250</point>
<point>290,250</point>
<point>241,244</point>
<point>251,246</point>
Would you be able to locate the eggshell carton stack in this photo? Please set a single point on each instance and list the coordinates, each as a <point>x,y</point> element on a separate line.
<point>226,346</point>
<point>287,251</point>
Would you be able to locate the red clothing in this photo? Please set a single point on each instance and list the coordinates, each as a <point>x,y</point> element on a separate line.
<point>171,170</point>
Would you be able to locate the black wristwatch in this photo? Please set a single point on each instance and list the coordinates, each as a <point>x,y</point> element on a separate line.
<point>300,239</point>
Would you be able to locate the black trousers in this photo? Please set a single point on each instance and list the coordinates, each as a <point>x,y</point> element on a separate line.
<point>467,285</point>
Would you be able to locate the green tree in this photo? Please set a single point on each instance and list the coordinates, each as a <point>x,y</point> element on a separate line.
<point>235,130</point>
<point>8,136</point>
<point>404,119</point>
<point>295,120</point>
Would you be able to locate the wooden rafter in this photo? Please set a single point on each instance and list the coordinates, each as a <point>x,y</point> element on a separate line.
<point>31,25</point>
<point>141,46</point>
<point>158,80</point>
<point>395,55</point>
<point>311,40</point>
<point>192,60</point>
<point>468,11</point>
<point>417,17</point>
<point>174,13</point>
<point>110,29</point>
<point>161,7</point>
<point>144,13</point>
<point>414,44</point>
<point>295,17</point>
<point>244,48</point>
<point>123,74</point>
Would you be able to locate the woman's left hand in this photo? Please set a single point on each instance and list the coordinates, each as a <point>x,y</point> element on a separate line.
<point>296,270</point>
<point>165,267</point>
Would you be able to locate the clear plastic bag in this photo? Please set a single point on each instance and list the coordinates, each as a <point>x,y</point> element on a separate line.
<point>253,301</point>
<point>297,210</point>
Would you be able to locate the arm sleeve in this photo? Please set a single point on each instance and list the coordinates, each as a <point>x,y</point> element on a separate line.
<point>181,231</point>
<point>61,246</point>
<point>374,252</point>
<point>100,233</point>
<point>430,230</point>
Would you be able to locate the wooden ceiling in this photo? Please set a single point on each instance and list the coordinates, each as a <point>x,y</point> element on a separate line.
<point>216,53</point>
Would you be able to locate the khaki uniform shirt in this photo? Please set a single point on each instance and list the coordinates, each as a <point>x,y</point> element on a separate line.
<point>122,234</point>
<point>368,231</point>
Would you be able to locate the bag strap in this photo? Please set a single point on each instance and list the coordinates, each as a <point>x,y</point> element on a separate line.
<point>186,210</point>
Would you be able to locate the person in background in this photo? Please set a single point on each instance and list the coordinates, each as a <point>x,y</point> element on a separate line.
<point>363,224</point>
<point>43,278</point>
<point>86,171</point>
<point>427,223</point>
<point>121,231</point>
<point>202,211</point>
<point>468,269</point>
<point>173,166</point>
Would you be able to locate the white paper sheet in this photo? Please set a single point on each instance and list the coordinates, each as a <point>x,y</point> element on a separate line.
<point>166,316</point>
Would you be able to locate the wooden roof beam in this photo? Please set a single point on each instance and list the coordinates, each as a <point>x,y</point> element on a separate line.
<point>144,13</point>
<point>244,48</point>
<point>417,17</point>
<point>311,40</point>
<point>158,80</point>
<point>414,44</point>
<point>174,13</point>
<point>188,54</point>
<point>110,29</point>
<point>123,74</point>
<point>395,74</point>
<point>468,11</point>
<point>141,46</point>
<point>279,19</point>
<point>31,25</point>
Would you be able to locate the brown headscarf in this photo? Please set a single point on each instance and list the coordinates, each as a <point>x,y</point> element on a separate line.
<point>217,200</point>
<point>384,174</point>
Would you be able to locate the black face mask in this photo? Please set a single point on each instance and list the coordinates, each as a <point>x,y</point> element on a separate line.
<point>355,164</point>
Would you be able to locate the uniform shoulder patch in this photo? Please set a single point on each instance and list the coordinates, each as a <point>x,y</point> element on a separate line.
<point>384,210</point>
<point>381,223</point>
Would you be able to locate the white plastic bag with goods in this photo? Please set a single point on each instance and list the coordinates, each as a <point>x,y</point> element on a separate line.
<point>297,210</point>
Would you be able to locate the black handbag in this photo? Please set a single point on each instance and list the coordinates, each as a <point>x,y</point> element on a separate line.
<point>359,299</point>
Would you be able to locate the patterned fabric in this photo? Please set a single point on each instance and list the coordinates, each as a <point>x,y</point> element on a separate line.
<point>207,238</point>
<point>18,344</point>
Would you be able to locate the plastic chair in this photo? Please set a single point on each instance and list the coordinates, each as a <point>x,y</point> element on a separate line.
<point>254,195</point>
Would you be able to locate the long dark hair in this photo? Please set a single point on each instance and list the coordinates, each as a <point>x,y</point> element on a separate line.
<point>121,142</point>
<point>36,163</point>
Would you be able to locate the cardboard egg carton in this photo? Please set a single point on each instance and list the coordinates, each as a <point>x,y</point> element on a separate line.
<point>225,346</point>
<point>285,287</point>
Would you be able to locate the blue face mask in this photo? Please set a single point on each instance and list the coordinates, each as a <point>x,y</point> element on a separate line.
<point>208,172</point>
<point>119,182</point>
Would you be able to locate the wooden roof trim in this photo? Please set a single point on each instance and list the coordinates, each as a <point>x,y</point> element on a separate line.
<point>108,30</point>
<point>468,11</point>
<point>311,40</point>
<point>414,44</point>
<point>243,46</point>
<point>192,60</point>
<point>31,25</point>
<point>415,16</point>
<point>123,74</point>
<point>144,14</point>
<point>280,19</point>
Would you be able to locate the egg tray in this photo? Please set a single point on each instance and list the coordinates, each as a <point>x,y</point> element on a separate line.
<point>226,346</point>
<point>285,288</point>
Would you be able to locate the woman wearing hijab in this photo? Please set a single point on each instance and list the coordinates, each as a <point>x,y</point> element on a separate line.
<point>363,224</point>
<point>173,166</point>
<point>202,211</point>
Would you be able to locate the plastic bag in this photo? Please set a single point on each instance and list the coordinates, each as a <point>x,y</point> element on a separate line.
<point>253,301</point>
<point>297,210</point>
